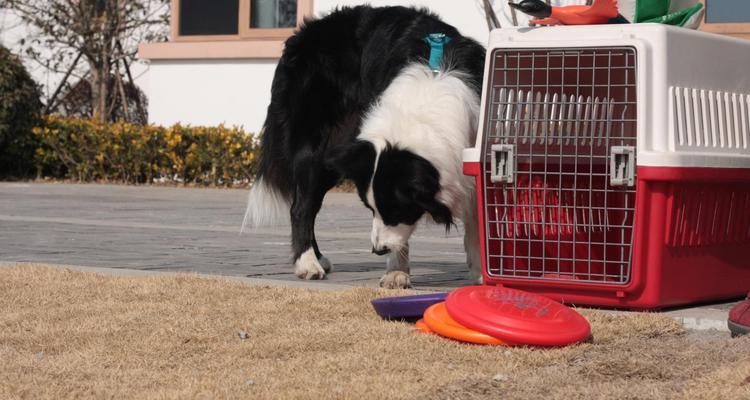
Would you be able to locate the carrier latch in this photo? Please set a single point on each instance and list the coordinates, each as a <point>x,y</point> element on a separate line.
<point>622,166</point>
<point>503,163</point>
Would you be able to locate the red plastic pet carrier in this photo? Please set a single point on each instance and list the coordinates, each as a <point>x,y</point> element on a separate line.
<point>612,165</point>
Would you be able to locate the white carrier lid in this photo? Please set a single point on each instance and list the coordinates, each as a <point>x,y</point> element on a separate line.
<point>693,88</point>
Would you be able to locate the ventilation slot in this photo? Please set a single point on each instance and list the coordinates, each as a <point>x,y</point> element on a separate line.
<point>709,119</point>
<point>701,215</point>
<point>536,118</point>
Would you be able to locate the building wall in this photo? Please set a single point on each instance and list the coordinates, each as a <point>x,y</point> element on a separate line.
<point>237,92</point>
<point>466,15</point>
<point>210,92</point>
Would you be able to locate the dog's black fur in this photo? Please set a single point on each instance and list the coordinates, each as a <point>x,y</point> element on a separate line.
<point>331,71</point>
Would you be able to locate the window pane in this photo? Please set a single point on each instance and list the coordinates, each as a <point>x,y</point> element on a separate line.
<point>273,13</point>
<point>727,11</point>
<point>209,17</point>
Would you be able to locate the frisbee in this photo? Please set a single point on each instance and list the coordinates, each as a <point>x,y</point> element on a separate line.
<point>739,318</point>
<point>404,307</point>
<point>421,326</point>
<point>516,317</point>
<point>437,319</point>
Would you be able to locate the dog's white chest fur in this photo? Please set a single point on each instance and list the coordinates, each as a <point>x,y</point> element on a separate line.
<point>433,115</point>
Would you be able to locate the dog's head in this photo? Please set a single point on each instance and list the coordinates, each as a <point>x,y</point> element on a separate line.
<point>397,185</point>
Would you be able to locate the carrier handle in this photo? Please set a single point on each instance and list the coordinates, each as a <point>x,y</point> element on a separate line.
<point>622,166</point>
<point>503,167</point>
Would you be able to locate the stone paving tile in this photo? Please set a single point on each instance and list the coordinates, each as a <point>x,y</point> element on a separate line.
<point>197,230</point>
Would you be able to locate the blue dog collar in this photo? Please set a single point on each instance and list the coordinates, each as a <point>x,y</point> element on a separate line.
<point>436,42</point>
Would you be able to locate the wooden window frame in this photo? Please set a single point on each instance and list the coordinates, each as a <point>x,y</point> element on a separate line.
<point>736,29</point>
<point>245,32</point>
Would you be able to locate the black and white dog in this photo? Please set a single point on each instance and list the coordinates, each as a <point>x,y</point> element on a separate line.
<point>353,98</point>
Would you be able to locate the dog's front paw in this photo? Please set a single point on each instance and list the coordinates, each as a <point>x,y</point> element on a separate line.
<point>326,264</point>
<point>395,280</point>
<point>476,277</point>
<point>308,267</point>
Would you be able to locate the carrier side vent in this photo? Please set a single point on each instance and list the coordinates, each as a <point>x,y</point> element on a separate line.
<point>708,215</point>
<point>710,120</point>
<point>536,117</point>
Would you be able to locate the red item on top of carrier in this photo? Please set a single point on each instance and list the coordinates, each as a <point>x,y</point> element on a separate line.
<point>613,165</point>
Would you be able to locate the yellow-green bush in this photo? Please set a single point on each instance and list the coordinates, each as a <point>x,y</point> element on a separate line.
<point>85,150</point>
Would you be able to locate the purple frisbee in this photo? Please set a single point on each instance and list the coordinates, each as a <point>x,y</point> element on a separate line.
<point>405,307</point>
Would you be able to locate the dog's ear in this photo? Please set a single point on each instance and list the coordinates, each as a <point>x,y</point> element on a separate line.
<point>439,212</point>
<point>353,161</point>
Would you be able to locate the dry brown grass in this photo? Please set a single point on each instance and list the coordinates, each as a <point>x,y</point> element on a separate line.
<point>67,334</point>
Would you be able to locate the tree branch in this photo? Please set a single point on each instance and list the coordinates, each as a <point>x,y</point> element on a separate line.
<point>103,32</point>
<point>52,101</point>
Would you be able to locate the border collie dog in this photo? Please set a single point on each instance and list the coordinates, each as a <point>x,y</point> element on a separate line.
<point>353,97</point>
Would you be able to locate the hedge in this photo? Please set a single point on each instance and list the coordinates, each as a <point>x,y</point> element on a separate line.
<point>84,150</point>
<point>20,111</point>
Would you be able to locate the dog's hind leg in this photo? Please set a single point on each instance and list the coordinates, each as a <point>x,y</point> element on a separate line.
<point>307,256</point>
<point>312,185</point>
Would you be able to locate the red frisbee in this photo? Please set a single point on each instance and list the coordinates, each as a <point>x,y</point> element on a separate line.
<point>437,320</point>
<point>517,317</point>
<point>739,318</point>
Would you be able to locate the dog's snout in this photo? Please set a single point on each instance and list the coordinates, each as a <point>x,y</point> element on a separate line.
<point>381,251</point>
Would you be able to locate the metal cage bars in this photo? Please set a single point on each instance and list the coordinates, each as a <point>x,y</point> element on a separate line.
<point>554,117</point>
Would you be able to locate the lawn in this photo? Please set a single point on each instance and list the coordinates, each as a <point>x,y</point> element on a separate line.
<point>69,334</point>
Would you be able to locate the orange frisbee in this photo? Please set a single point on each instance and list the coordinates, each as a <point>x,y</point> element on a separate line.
<point>437,319</point>
<point>422,326</point>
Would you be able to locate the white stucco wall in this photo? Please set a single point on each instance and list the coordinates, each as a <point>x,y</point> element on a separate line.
<point>210,92</point>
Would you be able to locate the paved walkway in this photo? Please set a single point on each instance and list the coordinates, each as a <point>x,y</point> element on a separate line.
<point>126,228</point>
<point>197,230</point>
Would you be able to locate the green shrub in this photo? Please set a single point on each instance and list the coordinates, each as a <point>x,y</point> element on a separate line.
<point>85,150</point>
<point>20,110</point>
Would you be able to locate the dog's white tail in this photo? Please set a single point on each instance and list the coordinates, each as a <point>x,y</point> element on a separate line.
<point>265,207</point>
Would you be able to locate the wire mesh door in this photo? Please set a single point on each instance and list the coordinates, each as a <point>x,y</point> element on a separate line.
<point>559,159</point>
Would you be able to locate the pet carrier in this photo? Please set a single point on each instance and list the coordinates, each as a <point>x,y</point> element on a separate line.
<point>612,164</point>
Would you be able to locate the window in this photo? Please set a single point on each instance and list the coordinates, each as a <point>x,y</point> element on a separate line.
<point>209,17</point>
<point>273,13</point>
<point>728,17</point>
<point>727,11</point>
<point>211,20</point>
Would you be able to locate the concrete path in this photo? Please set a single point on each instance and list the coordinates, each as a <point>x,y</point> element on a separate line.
<point>124,228</point>
<point>197,230</point>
